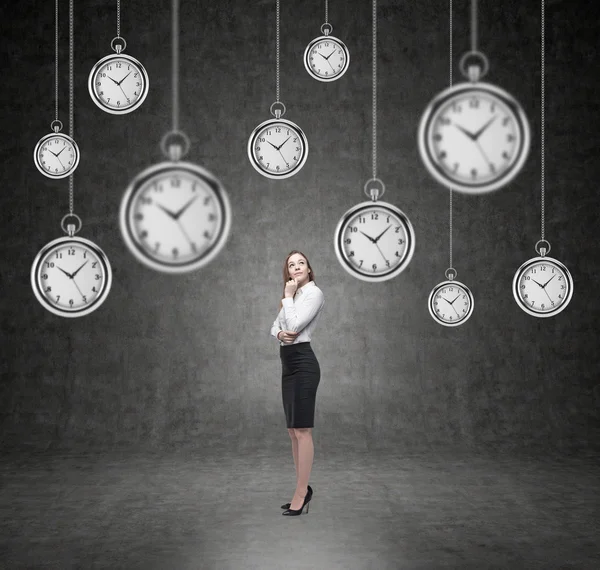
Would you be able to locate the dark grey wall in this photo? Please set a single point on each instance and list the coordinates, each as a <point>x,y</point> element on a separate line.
<point>188,360</point>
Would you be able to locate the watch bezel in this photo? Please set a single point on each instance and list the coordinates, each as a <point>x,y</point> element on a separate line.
<point>347,265</point>
<point>307,63</point>
<point>131,239</point>
<point>41,142</point>
<point>433,293</point>
<point>123,110</point>
<point>439,173</point>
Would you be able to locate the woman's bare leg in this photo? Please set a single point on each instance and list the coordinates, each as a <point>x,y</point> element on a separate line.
<point>304,465</point>
<point>294,449</point>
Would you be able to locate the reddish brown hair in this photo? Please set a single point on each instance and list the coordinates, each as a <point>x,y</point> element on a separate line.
<point>286,275</point>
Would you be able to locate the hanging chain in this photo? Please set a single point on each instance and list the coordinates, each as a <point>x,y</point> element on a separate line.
<point>543,122</point>
<point>71,118</point>
<point>326,12</point>
<point>277,54</point>
<point>56,63</point>
<point>473,25</point>
<point>374,88</point>
<point>450,86</point>
<point>175,56</point>
<point>118,18</point>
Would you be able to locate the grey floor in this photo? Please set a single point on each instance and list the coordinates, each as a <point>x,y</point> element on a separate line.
<point>379,510</point>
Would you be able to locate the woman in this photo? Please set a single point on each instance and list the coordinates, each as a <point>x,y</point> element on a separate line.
<point>299,311</point>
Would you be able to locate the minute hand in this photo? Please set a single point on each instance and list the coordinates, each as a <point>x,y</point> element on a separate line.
<point>477,134</point>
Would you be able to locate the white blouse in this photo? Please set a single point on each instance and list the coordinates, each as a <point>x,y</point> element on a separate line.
<point>300,314</point>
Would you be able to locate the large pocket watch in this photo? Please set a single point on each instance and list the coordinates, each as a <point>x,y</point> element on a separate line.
<point>374,241</point>
<point>474,137</point>
<point>71,276</point>
<point>175,216</point>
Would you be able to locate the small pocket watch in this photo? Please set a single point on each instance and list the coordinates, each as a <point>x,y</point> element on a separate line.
<point>474,137</point>
<point>450,302</point>
<point>118,83</point>
<point>277,148</point>
<point>542,286</point>
<point>175,216</point>
<point>56,155</point>
<point>71,276</point>
<point>374,241</point>
<point>326,58</point>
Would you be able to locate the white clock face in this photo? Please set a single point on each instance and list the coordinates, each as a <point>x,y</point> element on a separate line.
<point>543,287</point>
<point>56,155</point>
<point>277,148</point>
<point>326,58</point>
<point>118,84</point>
<point>175,219</point>
<point>475,139</point>
<point>374,242</point>
<point>451,303</point>
<point>71,277</point>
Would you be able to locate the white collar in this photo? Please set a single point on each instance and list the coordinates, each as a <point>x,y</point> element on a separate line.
<point>299,291</point>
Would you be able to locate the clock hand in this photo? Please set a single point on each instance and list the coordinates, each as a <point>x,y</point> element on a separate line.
<point>67,274</point>
<point>128,100</point>
<point>276,148</point>
<point>384,258</point>
<point>544,285</point>
<point>59,160</point>
<point>78,289</point>
<point>477,134</point>
<point>482,151</point>
<point>115,82</point>
<point>286,140</point>
<point>454,299</point>
<point>547,295</point>
<point>76,272</point>
<point>364,234</point>
<point>124,78</point>
<point>184,232</point>
<point>168,212</point>
<point>538,283</point>
<point>386,229</point>
<point>327,58</point>
<point>286,162</point>
<point>63,148</point>
<point>470,135</point>
<point>331,66</point>
<point>185,207</point>
<point>457,314</point>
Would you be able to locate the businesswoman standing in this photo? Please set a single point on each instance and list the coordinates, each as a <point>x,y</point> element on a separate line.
<point>299,311</point>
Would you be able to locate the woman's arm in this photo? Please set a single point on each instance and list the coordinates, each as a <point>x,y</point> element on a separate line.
<point>276,328</point>
<point>297,318</point>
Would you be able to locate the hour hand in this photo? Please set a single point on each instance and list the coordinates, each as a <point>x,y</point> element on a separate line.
<point>364,234</point>
<point>470,135</point>
<point>115,82</point>
<point>67,274</point>
<point>168,212</point>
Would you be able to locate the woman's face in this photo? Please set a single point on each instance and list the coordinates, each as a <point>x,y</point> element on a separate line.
<point>298,269</point>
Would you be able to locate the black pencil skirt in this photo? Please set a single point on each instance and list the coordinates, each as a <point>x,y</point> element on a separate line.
<point>300,376</point>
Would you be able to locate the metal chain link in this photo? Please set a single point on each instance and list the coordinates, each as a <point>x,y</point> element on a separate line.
<point>56,62</point>
<point>451,57</point>
<point>71,96</point>
<point>374,88</point>
<point>118,18</point>
<point>175,56</point>
<point>543,122</point>
<point>277,54</point>
<point>326,12</point>
<point>473,25</point>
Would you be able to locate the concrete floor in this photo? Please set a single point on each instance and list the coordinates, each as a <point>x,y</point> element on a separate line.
<point>184,510</point>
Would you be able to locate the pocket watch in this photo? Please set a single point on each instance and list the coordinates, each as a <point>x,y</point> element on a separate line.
<point>175,216</point>
<point>56,155</point>
<point>542,286</point>
<point>450,302</point>
<point>374,241</point>
<point>118,83</point>
<point>474,137</point>
<point>277,148</point>
<point>71,276</point>
<point>326,58</point>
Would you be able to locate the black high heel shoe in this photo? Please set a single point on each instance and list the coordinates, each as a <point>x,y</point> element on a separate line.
<point>293,513</point>
<point>287,505</point>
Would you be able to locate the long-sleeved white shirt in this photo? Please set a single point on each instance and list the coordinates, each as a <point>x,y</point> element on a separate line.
<point>300,314</point>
